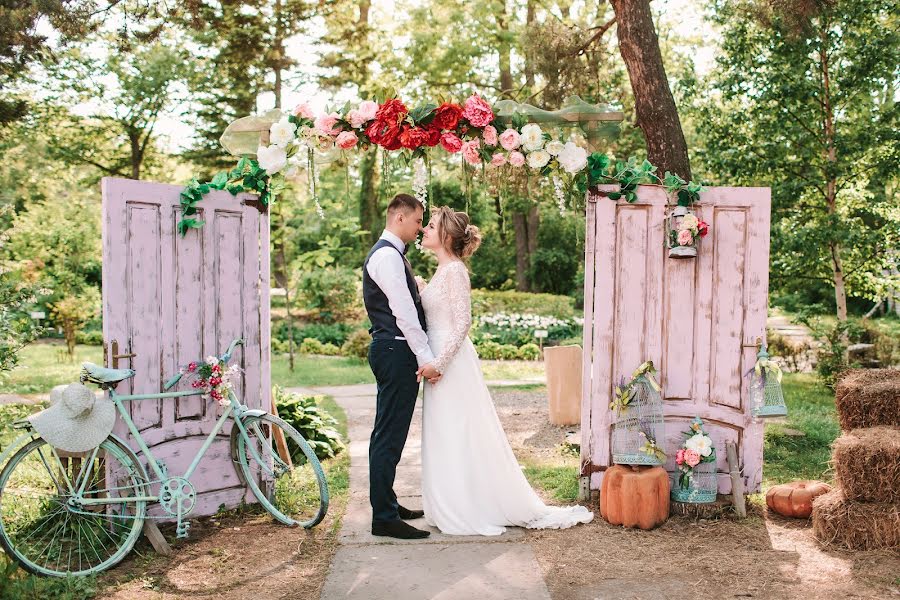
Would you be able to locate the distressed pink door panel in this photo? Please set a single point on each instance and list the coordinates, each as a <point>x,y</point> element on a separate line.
<point>697,319</point>
<point>171,300</point>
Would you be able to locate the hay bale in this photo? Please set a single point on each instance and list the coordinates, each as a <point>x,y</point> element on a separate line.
<point>855,525</point>
<point>867,464</point>
<point>868,398</point>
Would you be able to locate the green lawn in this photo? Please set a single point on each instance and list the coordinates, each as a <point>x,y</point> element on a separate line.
<point>42,366</point>
<point>811,412</point>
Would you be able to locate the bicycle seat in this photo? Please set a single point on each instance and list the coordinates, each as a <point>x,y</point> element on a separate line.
<point>97,374</point>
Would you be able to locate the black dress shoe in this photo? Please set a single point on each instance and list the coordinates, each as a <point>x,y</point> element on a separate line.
<point>399,529</point>
<point>407,514</point>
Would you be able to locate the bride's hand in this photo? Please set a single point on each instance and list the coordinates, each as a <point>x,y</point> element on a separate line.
<point>420,283</point>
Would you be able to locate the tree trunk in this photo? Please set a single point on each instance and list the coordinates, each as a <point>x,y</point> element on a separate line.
<point>529,69</point>
<point>534,221</point>
<point>654,105</point>
<point>368,196</point>
<point>279,54</point>
<point>840,291</point>
<point>520,224</point>
<point>505,52</point>
<point>137,154</point>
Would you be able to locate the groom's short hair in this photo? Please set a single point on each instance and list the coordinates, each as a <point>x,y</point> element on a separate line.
<point>403,202</point>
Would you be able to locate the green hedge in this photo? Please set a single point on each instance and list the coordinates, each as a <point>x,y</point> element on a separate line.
<point>486,302</point>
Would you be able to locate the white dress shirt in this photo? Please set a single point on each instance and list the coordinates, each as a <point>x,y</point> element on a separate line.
<point>388,270</point>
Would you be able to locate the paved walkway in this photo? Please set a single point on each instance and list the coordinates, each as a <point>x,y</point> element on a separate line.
<point>439,567</point>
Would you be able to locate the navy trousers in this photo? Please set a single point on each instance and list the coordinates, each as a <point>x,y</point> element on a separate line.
<point>394,366</point>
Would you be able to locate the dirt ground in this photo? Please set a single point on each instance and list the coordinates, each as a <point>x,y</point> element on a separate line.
<point>764,556</point>
<point>237,557</point>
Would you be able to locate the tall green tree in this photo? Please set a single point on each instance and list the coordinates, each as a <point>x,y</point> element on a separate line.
<point>803,100</point>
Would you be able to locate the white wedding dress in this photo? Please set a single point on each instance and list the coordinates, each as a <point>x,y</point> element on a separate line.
<point>471,481</point>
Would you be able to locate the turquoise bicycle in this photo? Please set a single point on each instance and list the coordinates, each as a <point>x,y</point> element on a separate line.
<point>74,514</point>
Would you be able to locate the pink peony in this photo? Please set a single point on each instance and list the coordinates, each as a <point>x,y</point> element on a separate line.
<point>509,139</point>
<point>516,159</point>
<point>490,135</point>
<point>498,160</point>
<point>451,143</point>
<point>685,237</point>
<point>477,111</point>
<point>304,111</point>
<point>363,114</point>
<point>679,456</point>
<point>470,152</point>
<point>692,458</point>
<point>346,140</point>
<point>325,124</point>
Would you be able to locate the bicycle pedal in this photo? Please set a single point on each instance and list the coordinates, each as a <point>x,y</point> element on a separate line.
<point>183,529</point>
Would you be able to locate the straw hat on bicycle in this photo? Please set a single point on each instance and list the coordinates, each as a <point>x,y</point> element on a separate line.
<point>76,421</point>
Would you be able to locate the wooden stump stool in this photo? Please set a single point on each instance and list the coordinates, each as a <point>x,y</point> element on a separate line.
<point>635,496</point>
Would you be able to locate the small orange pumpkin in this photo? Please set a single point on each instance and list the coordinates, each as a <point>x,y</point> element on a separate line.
<point>635,496</point>
<point>794,499</point>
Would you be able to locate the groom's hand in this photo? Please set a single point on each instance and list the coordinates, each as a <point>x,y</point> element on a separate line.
<point>429,373</point>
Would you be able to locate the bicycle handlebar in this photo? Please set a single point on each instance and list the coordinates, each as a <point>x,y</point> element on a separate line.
<point>224,358</point>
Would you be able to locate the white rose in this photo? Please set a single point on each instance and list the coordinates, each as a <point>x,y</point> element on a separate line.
<point>282,132</point>
<point>272,159</point>
<point>699,443</point>
<point>538,159</point>
<point>572,158</point>
<point>554,147</point>
<point>532,137</point>
<point>689,222</point>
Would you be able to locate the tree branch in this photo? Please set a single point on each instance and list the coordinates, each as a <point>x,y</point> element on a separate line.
<point>601,29</point>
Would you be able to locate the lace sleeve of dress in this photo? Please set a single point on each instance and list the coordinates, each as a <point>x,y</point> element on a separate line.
<point>460,301</point>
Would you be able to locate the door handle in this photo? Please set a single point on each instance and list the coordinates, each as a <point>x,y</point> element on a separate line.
<point>114,355</point>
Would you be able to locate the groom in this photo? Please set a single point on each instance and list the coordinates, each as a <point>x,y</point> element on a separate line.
<point>399,349</point>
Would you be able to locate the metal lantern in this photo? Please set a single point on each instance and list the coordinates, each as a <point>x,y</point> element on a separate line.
<point>700,483</point>
<point>766,395</point>
<point>702,488</point>
<point>639,420</point>
<point>673,226</point>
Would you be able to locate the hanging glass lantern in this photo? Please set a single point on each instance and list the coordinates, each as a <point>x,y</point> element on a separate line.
<point>683,231</point>
<point>766,395</point>
<point>639,419</point>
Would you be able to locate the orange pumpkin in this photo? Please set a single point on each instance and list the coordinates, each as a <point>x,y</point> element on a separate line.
<point>794,499</point>
<point>634,496</point>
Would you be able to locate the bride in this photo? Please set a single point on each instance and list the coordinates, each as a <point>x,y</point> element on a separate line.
<point>471,481</point>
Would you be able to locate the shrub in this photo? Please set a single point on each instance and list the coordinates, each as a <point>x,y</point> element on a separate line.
<point>91,338</point>
<point>887,347</point>
<point>518,329</point>
<point>530,352</point>
<point>311,346</point>
<point>333,293</point>
<point>357,345</point>
<point>330,349</point>
<point>334,333</point>
<point>485,302</point>
<point>509,352</point>
<point>794,355</point>
<point>316,426</point>
<point>489,350</point>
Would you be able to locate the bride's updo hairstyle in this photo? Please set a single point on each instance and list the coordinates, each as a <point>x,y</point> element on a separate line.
<point>459,236</point>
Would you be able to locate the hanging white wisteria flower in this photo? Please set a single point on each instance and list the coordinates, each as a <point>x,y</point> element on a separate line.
<point>420,181</point>
<point>560,194</point>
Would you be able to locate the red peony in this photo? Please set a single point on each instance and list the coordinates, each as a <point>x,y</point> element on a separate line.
<point>477,111</point>
<point>434,137</point>
<point>413,137</point>
<point>393,111</point>
<point>384,134</point>
<point>451,143</point>
<point>446,116</point>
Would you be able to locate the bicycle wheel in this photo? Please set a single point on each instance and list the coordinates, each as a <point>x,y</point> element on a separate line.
<point>44,524</point>
<point>282,470</point>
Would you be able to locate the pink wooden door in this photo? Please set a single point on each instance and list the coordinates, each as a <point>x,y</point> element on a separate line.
<point>170,300</point>
<point>699,320</point>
